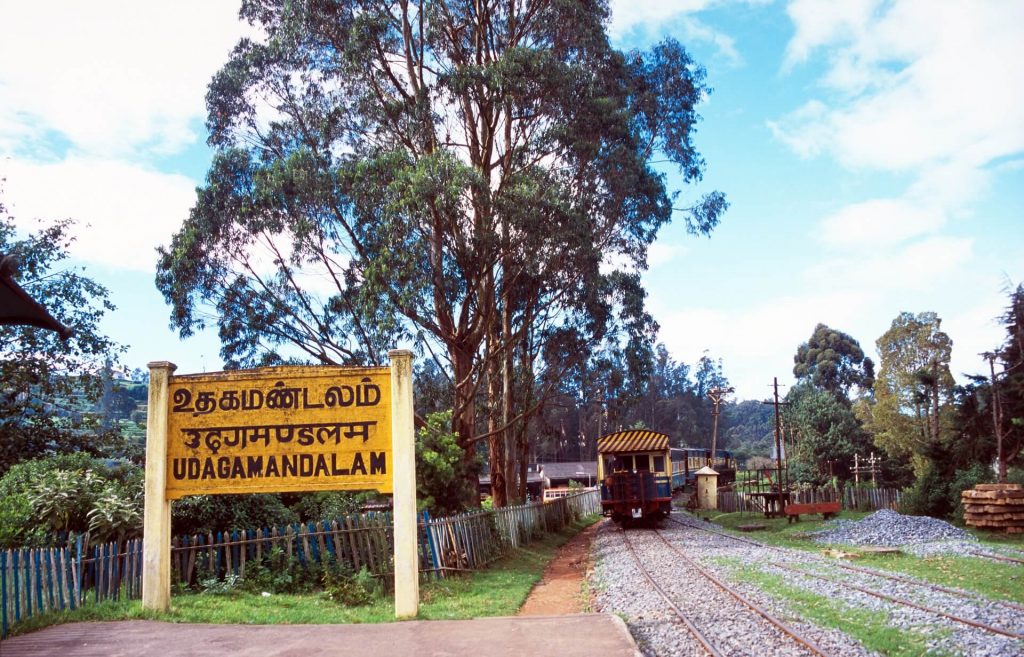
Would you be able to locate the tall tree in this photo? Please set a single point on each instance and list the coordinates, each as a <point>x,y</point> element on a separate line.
<point>40,373</point>
<point>833,361</point>
<point>1010,386</point>
<point>825,430</point>
<point>914,388</point>
<point>452,172</point>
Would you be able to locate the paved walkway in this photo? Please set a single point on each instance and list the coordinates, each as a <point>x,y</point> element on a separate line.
<point>581,635</point>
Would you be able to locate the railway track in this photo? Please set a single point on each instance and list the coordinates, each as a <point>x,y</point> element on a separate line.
<point>998,557</point>
<point>972,597</point>
<point>803,644</point>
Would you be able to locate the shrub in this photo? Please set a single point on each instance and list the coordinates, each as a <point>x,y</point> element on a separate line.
<point>199,514</point>
<point>347,588</point>
<point>277,572</point>
<point>43,500</point>
<point>965,480</point>
<point>929,496</point>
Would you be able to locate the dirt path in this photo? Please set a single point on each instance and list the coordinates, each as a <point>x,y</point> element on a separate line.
<point>560,589</point>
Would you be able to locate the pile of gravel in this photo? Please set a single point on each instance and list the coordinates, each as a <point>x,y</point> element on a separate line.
<point>889,528</point>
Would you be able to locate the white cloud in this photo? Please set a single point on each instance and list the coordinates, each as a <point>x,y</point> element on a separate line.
<point>110,77</point>
<point>878,223</point>
<point>661,253</point>
<point>974,330</point>
<point>758,341</point>
<point>916,83</point>
<point>649,17</point>
<point>123,211</point>
<point>920,266</point>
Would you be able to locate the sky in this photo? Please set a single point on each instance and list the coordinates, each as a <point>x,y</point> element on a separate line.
<point>872,154</point>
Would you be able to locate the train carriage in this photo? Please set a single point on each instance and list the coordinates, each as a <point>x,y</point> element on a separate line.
<point>634,468</point>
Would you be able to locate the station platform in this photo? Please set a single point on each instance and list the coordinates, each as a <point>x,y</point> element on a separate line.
<point>579,635</point>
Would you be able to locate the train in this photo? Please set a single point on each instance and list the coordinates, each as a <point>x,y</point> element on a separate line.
<point>639,473</point>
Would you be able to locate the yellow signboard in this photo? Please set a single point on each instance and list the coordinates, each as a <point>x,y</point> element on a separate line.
<point>279,429</point>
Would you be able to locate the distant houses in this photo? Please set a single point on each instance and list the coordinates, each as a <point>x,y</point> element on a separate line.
<point>544,476</point>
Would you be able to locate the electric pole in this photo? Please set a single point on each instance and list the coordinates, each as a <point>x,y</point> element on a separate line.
<point>715,395</point>
<point>778,437</point>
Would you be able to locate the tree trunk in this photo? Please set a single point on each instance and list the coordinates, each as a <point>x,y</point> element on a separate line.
<point>496,441</point>
<point>464,419</point>
<point>507,434</point>
<point>935,401</point>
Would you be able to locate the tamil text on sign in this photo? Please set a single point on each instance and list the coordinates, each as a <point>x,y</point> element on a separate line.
<point>279,429</point>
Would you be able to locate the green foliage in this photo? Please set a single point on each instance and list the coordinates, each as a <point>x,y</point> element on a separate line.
<point>930,494</point>
<point>230,585</point>
<point>277,572</point>
<point>39,371</point>
<point>1011,388</point>
<point>348,588</point>
<point>827,434</point>
<point>966,480</point>
<point>116,514</point>
<point>198,514</point>
<point>442,473</point>
<point>44,499</point>
<point>62,499</point>
<point>475,196</point>
<point>328,505</point>
<point>833,361</point>
<point>914,387</point>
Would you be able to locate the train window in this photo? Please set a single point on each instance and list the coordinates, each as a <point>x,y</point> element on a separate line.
<point>609,465</point>
<point>643,462</point>
<point>659,463</point>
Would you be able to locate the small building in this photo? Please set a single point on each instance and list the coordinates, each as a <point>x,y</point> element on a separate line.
<point>534,484</point>
<point>558,475</point>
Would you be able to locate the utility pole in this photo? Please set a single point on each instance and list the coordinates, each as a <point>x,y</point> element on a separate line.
<point>997,418</point>
<point>715,395</point>
<point>778,440</point>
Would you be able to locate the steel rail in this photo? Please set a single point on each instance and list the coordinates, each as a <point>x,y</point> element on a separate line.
<point>967,595</point>
<point>785,629</point>
<point>998,557</point>
<point>908,603</point>
<point>711,650</point>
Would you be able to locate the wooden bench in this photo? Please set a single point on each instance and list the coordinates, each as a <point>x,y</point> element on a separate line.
<point>826,509</point>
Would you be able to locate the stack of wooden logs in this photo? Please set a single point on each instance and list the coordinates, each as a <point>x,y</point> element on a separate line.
<point>999,507</point>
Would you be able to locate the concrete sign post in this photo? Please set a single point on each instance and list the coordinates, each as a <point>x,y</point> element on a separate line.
<point>156,522</point>
<point>280,429</point>
<point>407,567</point>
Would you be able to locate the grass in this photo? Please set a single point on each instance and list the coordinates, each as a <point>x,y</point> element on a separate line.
<point>869,627</point>
<point>496,591</point>
<point>997,580</point>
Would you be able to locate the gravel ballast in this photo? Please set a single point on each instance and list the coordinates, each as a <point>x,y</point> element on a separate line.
<point>622,590</point>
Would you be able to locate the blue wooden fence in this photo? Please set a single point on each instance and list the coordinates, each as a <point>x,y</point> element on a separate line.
<point>36,581</point>
<point>40,580</point>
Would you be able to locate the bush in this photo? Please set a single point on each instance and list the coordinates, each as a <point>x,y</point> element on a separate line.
<point>43,500</point>
<point>199,514</point>
<point>276,572</point>
<point>347,588</point>
<point>315,507</point>
<point>965,480</point>
<point>442,475</point>
<point>929,496</point>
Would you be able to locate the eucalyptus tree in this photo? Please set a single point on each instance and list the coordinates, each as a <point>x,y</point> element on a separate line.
<point>455,173</point>
<point>914,388</point>
<point>833,361</point>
